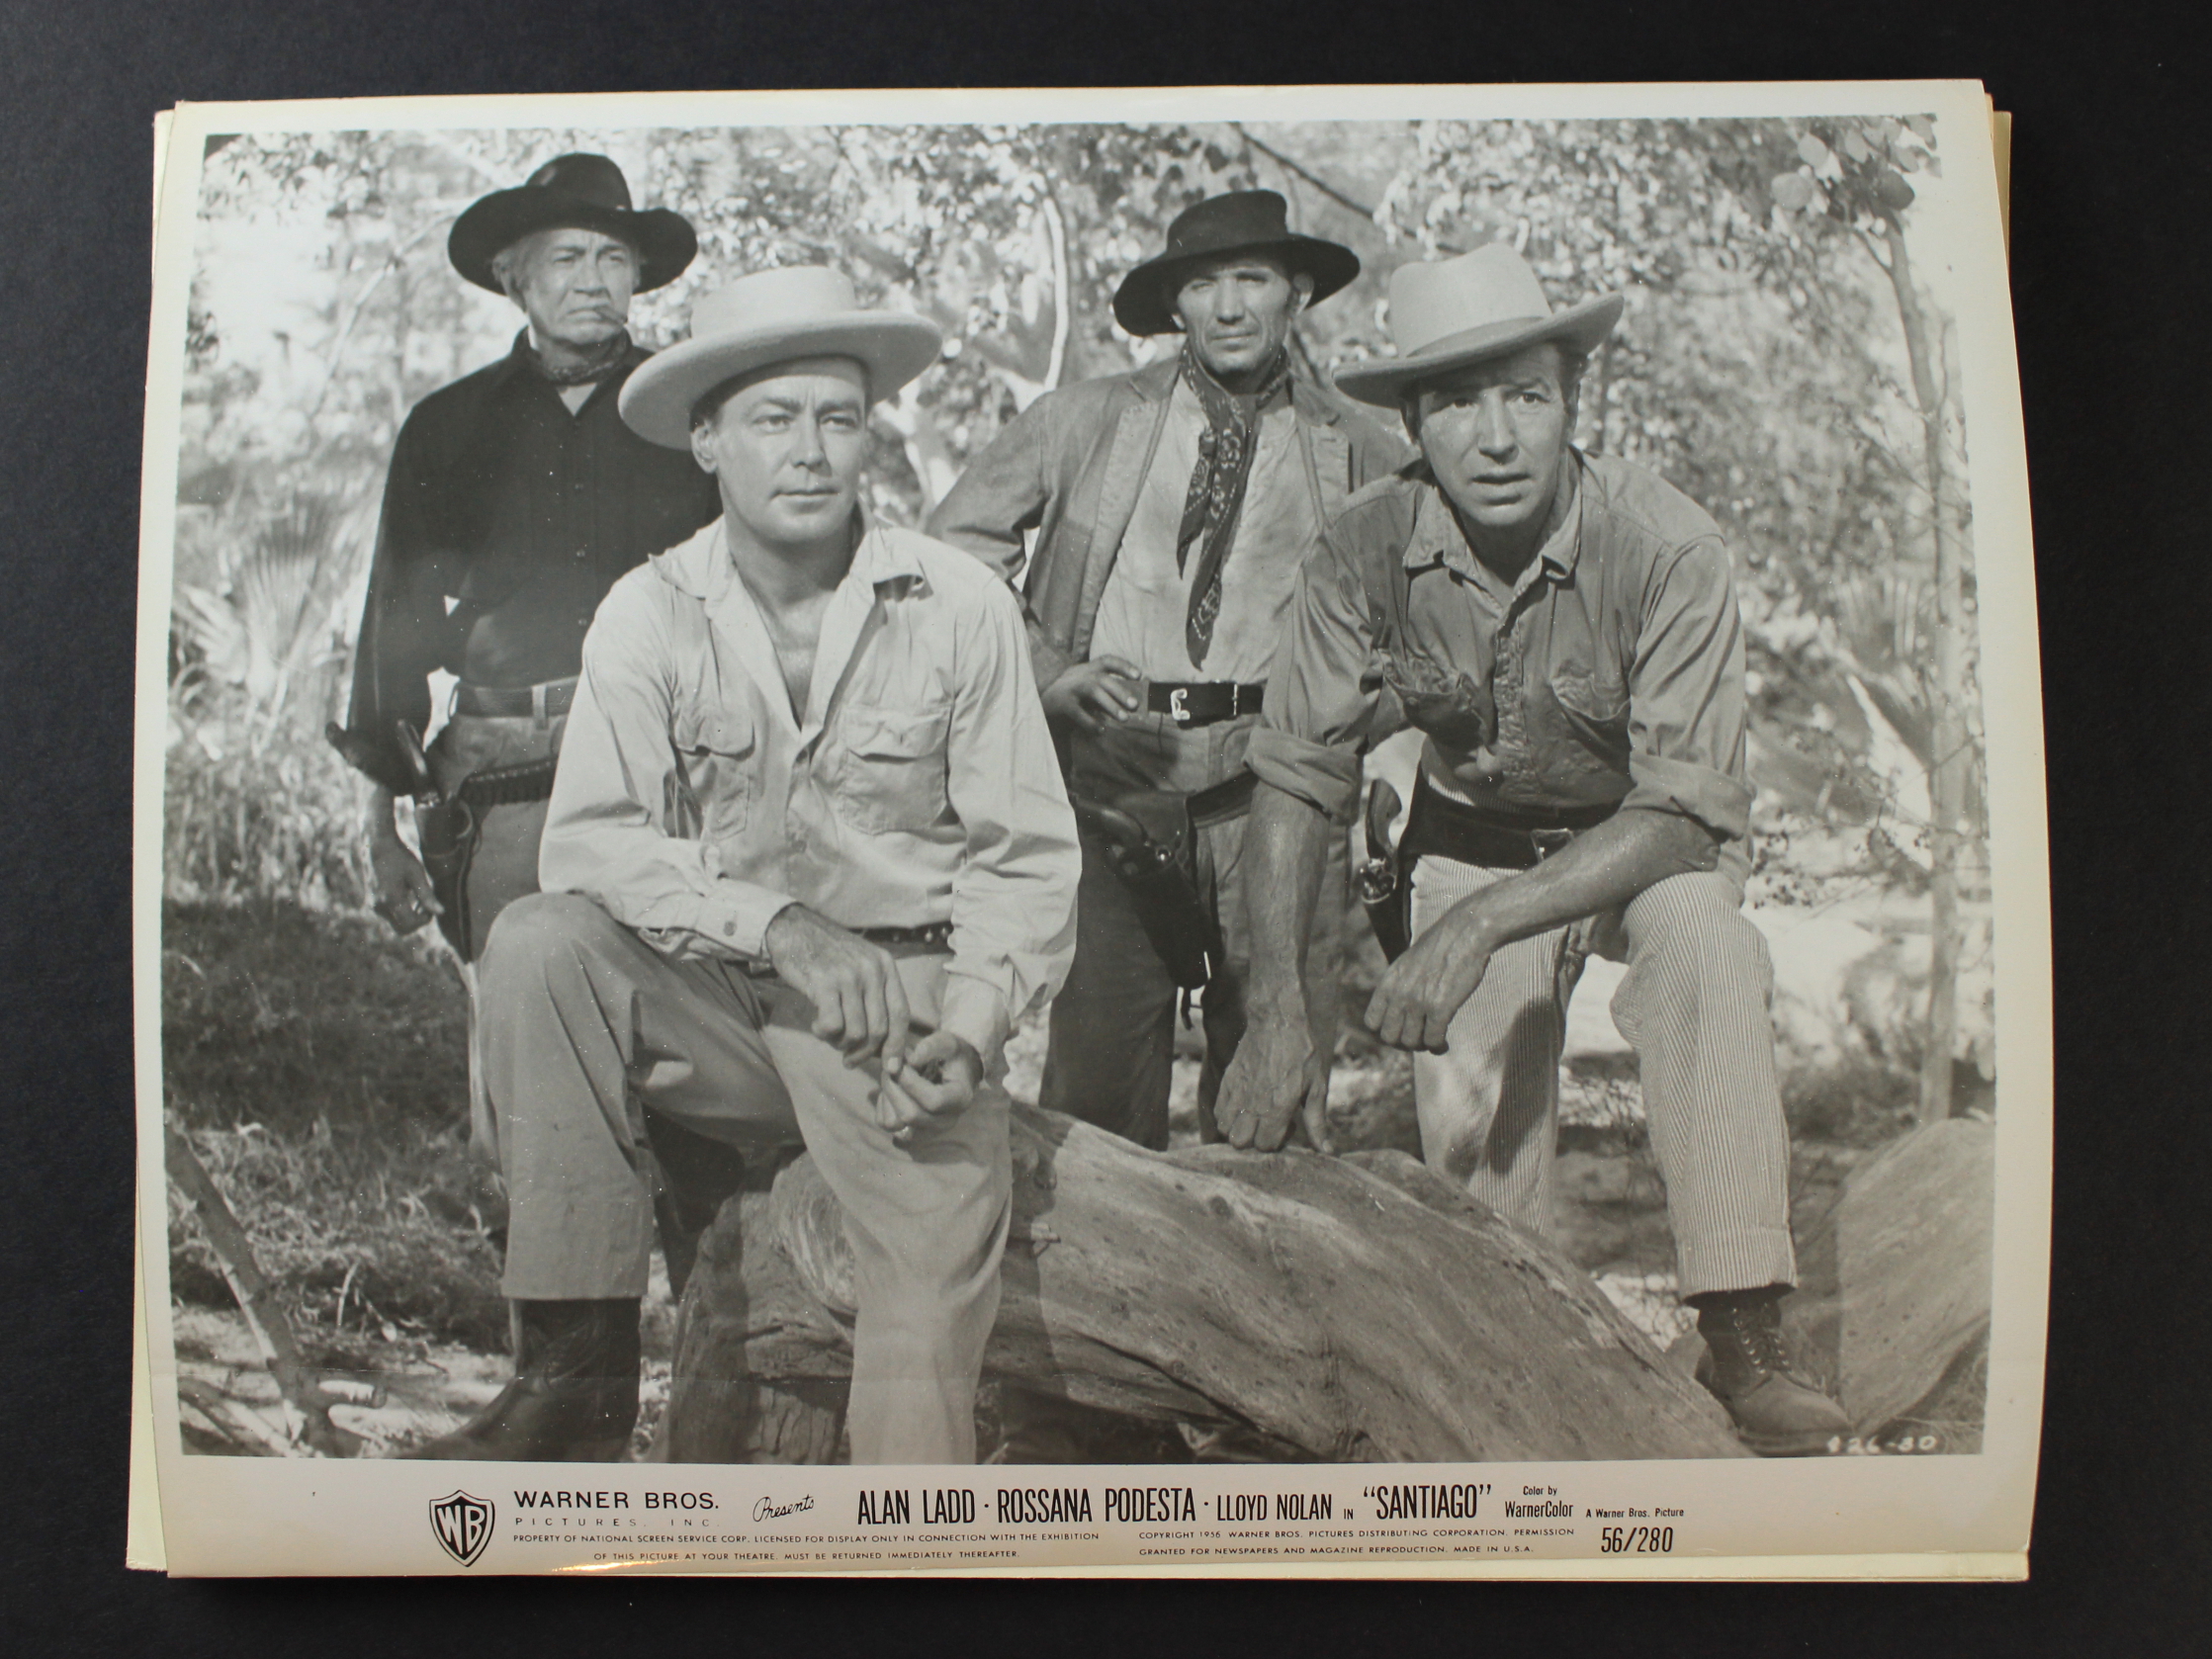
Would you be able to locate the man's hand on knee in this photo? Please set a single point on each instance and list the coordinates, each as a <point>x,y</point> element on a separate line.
<point>858,1003</point>
<point>1415,1002</point>
<point>938,1076</point>
<point>1276,1080</point>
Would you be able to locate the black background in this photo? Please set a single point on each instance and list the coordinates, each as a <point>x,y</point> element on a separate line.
<point>2109,205</point>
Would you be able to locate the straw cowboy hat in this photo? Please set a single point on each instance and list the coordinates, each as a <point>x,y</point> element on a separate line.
<point>570,193</point>
<point>1448,313</point>
<point>1241,222</point>
<point>769,317</point>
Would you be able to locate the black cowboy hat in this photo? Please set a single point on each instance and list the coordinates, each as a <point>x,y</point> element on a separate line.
<point>570,193</point>
<point>1241,222</point>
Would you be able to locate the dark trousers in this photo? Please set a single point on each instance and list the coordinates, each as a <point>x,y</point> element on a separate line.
<point>1111,1050</point>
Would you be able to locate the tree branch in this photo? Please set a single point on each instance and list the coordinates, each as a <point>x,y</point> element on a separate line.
<point>1293,165</point>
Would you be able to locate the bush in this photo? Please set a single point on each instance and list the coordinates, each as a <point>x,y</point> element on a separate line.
<point>277,823</point>
<point>1860,1101</point>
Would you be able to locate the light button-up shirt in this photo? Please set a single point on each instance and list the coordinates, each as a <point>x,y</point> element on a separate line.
<point>1146,598</point>
<point>919,787</point>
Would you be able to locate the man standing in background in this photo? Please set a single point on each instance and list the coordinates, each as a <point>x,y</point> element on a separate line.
<point>1171,510</point>
<point>515,499</point>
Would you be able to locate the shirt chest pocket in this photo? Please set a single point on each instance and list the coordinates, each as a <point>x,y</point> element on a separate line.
<point>890,772</point>
<point>716,777</point>
<point>1593,713</point>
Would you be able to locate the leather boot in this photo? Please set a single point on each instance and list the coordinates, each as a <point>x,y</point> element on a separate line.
<point>1778,1411</point>
<point>575,1394</point>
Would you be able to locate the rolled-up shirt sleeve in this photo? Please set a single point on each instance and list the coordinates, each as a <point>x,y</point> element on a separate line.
<point>1013,896</point>
<point>1686,695</point>
<point>607,835</point>
<point>1325,706</point>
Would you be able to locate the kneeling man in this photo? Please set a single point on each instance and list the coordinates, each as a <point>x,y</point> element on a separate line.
<point>1563,627</point>
<point>808,856</point>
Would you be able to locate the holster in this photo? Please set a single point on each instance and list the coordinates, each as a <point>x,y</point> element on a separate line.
<point>447,831</point>
<point>1385,879</point>
<point>446,836</point>
<point>1150,838</point>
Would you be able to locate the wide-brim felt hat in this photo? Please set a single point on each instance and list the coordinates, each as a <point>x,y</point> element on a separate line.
<point>1240,221</point>
<point>1448,313</point>
<point>765,318</point>
<point>570,193</point>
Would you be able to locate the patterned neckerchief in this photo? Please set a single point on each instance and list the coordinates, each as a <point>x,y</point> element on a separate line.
<point>1217,495</point>
<point>603,363</point>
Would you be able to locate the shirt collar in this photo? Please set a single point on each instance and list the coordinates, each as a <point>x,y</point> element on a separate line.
<point>884,556</point>
<point>1436,538</point>
<point>701,568</point>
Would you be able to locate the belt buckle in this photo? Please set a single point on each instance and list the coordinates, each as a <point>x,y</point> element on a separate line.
<point>1548,841</point>
<point>1179,705</point>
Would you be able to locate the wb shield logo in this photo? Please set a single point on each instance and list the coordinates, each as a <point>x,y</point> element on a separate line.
<point>463,1525</point>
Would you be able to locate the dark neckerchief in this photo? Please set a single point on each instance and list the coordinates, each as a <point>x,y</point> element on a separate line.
<point>1216,499</point>
<point>603,363</point>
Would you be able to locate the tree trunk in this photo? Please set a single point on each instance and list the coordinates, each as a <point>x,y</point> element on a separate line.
<point>1948,757</point>
<point>1336,1309</point>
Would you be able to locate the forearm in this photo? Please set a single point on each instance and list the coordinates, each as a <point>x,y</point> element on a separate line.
<point>1285,847</point>
<point>1600,870</point>
<point>382,821</point>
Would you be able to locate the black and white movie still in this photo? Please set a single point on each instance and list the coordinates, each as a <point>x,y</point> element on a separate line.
<point>1217,792</point>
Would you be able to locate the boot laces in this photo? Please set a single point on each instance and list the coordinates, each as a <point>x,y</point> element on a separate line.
<point>1757,1332</point>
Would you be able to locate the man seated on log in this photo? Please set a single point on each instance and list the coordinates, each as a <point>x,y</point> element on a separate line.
<point>516,497</point>
<point>808,858</point>
<point>1172,508</point>
<point>1563,627</point>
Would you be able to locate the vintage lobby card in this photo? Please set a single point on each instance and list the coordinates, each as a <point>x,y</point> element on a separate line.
<point>1618,494</point>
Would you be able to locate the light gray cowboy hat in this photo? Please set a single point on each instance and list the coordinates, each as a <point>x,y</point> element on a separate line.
<point>769,318</point>
<point>1446,313</point>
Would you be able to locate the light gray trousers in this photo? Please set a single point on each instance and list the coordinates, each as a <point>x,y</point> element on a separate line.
<point>1694,1009</point>
<point>585,1024</point>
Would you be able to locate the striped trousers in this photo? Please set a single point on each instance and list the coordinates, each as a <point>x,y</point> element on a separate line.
<point>1694,1006</point>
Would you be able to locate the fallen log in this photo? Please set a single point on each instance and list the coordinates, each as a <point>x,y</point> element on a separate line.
<point>1339,1309</point>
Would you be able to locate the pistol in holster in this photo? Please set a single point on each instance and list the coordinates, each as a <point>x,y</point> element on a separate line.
<point>449,822</point>
<point>445,832</point>
<point>1150,839</point>
<point>1383,879</point>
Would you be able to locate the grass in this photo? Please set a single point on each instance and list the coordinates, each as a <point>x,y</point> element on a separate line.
<point>318,1066</point>
<point>370,1244</point>
<point>278,1016</point>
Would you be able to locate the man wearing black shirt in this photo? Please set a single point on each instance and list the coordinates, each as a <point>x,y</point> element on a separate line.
<point>516,497</point>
